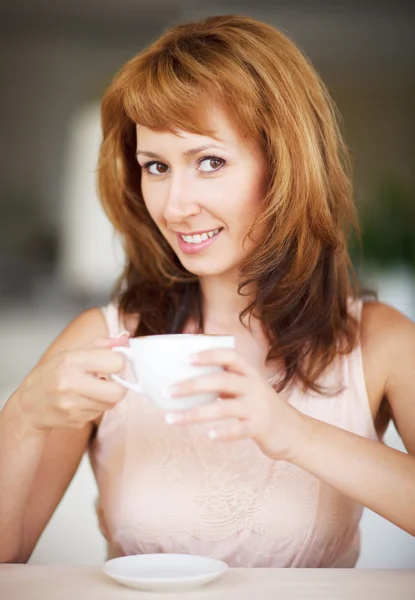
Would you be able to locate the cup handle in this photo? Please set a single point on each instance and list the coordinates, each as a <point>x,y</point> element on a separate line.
<point>135,387</point>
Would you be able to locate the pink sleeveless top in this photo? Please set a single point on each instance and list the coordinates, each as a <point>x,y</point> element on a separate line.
<point>170,489</point>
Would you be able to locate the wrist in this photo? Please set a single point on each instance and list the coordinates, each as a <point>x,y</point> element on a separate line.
<point>22,415</point>
<point>301,441</point>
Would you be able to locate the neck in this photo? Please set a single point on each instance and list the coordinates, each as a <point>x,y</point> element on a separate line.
<point>222,304</point>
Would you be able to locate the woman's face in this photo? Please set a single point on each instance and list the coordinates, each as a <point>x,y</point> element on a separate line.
<point>203,193</point>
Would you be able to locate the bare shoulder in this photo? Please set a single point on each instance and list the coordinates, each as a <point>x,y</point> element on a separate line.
<point>388,348</point>
<point>386,329</point>
<point>394,334</point>
<point>85,327</point>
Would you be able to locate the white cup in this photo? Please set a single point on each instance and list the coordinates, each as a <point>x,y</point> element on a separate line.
<point>160,361</point>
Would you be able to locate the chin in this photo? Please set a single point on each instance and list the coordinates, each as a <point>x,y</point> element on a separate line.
<point>207,270</point>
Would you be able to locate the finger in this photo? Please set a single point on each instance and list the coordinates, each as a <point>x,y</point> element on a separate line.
<point>99,360</point>
<point>77,408</point>
<point>231,432</point>
<point>217,411</point>
<point>108,342</point>
<point>221,357</point>
<point>222,382</point>
<point>100,390</point>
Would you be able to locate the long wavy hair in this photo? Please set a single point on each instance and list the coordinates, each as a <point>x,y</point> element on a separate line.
<point>300,267</point>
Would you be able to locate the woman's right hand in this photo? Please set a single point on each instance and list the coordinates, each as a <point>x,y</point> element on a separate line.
<point>73,387</point>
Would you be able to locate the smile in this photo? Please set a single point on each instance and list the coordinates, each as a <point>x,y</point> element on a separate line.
<point>193,244</point>
<point>198,238</point>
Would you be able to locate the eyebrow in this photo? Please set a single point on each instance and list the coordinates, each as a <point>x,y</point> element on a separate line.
<point>190,152</point>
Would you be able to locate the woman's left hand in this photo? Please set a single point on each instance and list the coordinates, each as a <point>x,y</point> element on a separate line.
<point>256,409</point>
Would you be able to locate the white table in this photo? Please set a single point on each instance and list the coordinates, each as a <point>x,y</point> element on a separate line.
<point>55,582</point>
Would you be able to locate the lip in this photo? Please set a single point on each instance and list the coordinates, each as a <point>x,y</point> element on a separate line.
<point>196,248</point>
<point>196,232</point>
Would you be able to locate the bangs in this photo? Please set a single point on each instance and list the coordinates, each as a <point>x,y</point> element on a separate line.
<point>174,88</point>
<point>164,97</point>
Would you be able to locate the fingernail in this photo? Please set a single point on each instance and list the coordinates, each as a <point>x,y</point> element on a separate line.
<point>172,391</point>
<point>172,418</point>
<point>124,332</point>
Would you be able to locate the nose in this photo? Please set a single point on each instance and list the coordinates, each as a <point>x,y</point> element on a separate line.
<point>180,201</point>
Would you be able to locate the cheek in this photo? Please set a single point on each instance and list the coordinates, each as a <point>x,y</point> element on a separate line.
<point>152,201</point>
<point>246,198</point>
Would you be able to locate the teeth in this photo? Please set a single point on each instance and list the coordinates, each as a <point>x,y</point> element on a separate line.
<point>197,239</point>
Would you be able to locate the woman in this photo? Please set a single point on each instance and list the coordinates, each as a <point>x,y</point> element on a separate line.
<point>224,170</point>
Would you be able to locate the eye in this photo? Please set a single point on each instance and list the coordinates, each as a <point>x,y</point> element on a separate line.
<point>155,168</point>
<point>211,164</point>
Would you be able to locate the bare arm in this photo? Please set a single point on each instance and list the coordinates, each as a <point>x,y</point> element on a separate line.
<point>36,466</point>
<point>381,478</point>
<point>35,470</point>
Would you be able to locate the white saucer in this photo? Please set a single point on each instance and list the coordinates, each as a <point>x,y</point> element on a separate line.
<point>164,572</point>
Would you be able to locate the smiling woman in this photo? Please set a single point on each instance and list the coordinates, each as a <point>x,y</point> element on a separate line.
<point>280,190</point>
<point>223,168</point>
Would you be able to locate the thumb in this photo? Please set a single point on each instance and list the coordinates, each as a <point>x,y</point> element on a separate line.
<point>109,342</point>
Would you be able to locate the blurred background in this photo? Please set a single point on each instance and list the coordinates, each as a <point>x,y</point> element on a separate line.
<point>58,253</point>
